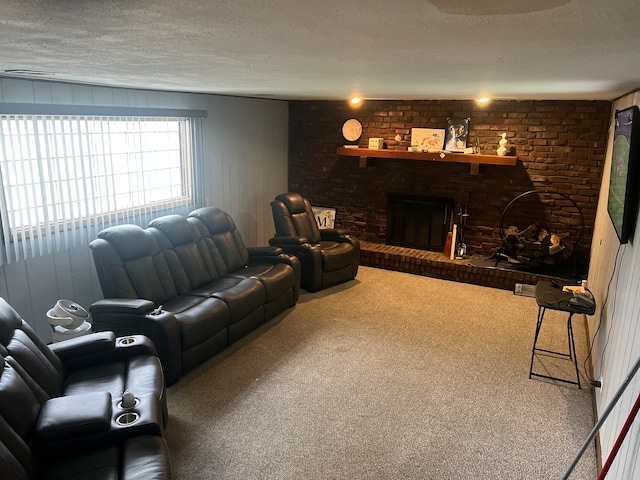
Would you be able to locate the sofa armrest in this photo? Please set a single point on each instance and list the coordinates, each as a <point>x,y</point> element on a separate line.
<point>264,251</point>
<point>332,232</point>
<point>62,418</point>
<point>284,241</point>
<point>123,305</point>
<point>306,258</point>
<point>126,317</point>
<point>84,421</point>
<point>335,235</point>
<point>84,345</point>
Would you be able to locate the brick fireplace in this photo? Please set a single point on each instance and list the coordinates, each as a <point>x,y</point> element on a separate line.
<point>560,147</point>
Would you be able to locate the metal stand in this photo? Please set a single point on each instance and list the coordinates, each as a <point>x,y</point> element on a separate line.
<point>571,347</point>
<point>552,297</point>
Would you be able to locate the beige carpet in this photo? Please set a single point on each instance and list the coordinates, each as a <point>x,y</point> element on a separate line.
<point>390,376</point>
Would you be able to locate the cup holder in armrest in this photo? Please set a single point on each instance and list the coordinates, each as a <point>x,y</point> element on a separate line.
<point>126,341</point>
<point>127,418</point>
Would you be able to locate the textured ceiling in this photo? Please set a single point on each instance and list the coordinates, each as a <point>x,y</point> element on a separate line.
<point>331,49</point>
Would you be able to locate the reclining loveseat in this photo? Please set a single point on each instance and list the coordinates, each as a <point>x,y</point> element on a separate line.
<point>64,412</point>
<point>189,284</point>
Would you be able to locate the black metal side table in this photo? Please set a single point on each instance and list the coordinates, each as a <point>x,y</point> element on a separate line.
<point>552,297</point>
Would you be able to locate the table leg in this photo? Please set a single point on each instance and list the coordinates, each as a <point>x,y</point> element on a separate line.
<point>571,344</point>
<point>572,347</point>
<point>541,311</point>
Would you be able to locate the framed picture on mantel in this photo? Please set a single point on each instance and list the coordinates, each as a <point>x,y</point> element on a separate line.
<point>427,139</point>
<point>456,135</point>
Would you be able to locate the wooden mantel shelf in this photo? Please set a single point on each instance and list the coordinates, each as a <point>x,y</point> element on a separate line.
<point>474,159</point>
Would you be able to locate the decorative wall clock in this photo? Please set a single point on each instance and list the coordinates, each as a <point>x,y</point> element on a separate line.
<point>352,129</point>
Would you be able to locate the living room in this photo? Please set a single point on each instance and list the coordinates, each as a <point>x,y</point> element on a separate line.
<point>253,152</point>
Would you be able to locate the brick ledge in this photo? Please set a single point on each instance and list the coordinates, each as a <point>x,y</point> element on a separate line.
<point>435,264</point>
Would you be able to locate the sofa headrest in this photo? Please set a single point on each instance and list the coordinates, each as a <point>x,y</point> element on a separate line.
<point>130,241</point>
<point>9,321</point>
<point>176,228</point>
<point>294,201</point>
<point>214,219</point>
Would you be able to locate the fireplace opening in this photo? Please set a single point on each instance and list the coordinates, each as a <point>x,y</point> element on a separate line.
<point>417,221</point>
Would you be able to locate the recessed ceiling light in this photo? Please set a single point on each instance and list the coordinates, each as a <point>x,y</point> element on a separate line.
<point>483,100</point>
<point>356,100</point>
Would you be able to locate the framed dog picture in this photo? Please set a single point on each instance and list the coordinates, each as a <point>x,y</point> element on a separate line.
<point>456,134</point>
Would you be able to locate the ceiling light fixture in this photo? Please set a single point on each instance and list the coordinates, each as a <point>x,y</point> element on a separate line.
<point>356,101</point>
<point>483,100</point>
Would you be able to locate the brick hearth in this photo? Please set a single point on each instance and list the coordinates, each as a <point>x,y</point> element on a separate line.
<point>435,264</point>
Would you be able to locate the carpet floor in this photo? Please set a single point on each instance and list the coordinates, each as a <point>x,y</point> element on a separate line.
<point>389,376</point>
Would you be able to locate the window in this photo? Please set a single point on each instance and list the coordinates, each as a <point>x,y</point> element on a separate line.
<point>65,177</point>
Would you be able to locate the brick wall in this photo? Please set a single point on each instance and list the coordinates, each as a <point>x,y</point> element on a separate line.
<point>560,145</point>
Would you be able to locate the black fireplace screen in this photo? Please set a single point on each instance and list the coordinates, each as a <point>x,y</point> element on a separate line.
<point>418,221</point>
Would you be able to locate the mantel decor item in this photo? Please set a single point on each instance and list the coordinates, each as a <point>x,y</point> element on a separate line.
<point>351,130</point>
<point>625,170</point>
<point>427,139</point>
<point>376,143</point>
<point>502,149</point>
<point>456,134</point>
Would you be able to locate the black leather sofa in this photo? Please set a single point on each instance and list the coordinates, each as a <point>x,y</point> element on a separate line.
<point>327,257</point>
<point>189,284</point>
<point>61,412</point>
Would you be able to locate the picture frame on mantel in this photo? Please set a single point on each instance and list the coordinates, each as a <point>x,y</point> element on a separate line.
<point>427,139</point>
<point>624,183</point>
<point>456,134</point>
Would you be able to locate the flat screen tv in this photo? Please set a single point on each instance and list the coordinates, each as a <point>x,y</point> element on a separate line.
<point>624,182</point>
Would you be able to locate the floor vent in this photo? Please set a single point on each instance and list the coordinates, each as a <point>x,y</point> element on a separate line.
<point>525,290</point>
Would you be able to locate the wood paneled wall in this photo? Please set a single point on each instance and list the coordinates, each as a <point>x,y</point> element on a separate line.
<point>245,150</point>
<point>614,278</point>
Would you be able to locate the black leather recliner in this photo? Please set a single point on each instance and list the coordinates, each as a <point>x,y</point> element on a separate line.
<point>61,406</point>
<point>327,256</point>
<point>94,362</point>
<point>67,437</point>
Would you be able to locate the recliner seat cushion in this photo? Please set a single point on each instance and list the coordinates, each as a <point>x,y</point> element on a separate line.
<point>276,278</point>
<point>218,285</point>
<point>138,374</point>
<point>243,299</point>
<point>139,458</point>
<point>199,318</point>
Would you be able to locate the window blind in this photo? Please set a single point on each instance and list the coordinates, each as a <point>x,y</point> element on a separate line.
<point>64,178</point>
